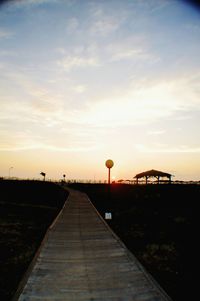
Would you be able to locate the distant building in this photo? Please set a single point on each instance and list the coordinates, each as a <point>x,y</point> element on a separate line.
<point>153,173</point>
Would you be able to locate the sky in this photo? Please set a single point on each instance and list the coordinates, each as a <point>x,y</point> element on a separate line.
<point>83,81</point>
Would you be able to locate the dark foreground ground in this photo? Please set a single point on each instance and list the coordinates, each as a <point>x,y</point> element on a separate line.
<point>27,208</point>
<point>158,223</point>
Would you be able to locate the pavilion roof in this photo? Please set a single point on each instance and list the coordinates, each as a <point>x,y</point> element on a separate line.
<point>152,173</point>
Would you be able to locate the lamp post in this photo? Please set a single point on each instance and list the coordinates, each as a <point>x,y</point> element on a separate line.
<point>109,164</point>
<point>9,171</point>
<point>108,215</point>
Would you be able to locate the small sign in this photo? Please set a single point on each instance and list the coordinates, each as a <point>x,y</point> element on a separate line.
<point>108,215</point>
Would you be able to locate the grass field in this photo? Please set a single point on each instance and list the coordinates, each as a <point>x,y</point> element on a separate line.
<point>27,208</point>
<point>158,224</point>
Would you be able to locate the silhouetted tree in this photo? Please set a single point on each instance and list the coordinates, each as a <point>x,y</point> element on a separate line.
<point>43,174</point>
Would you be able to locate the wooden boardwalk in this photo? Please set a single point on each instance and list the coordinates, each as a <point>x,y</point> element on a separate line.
<point>82,259</point>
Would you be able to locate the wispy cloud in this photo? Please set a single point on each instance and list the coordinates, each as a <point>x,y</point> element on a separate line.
<point>7,53</point>
<point>70,62</point>
<point>39,116</point>
<point>53,148</point>
<point>5,33</point>
<point>43,101</point>
<point>42,131</point>
<point>194,27</point>
<point>135,48</point>
<point>27,3</point>
<point>78,57</point>
<point>142,103</point>
<point>157,5</point>
<point>104,26</point>
<point>156,132</point>
<point>72,25</point>
<point>166,149</point>
<point>79,88</point>
<point>128,54</point>
<point>33,104</point>
<point>104,23</point>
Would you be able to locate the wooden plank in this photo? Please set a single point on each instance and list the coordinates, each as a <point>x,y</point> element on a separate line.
<point>82,259</point>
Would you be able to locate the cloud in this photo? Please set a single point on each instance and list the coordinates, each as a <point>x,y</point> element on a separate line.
<point>35,117</point>
<point>195,27</point>
<point>72,25</point>
<point>131,49</point>
<point>143,102</point>
<point>104,27</point>
<point>156,132</point>
<point>70,62</point>
<point>167,149</point>
<point>4,33</point>
<point>43,101</point>
<point>53,148</point>
<point>29,132</point>
<point>128,54</point>
<point>104,20</point>
<point>157,5</point>
<point>38,2</point>
<point>38,129</point>
<point>20,3</point>
<point>33,104</point>
<point>7,53</point>
<point>70,149</point>
<point>79,88</point>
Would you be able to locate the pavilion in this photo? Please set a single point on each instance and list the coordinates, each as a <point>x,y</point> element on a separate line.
<point>153,173</point>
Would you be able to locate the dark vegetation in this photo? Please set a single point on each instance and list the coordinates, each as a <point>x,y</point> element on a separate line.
<point>27,208</point>
<point>158,224</point>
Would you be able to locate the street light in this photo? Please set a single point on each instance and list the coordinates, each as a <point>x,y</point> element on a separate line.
<point>109,164</point>
<point>9,171</point>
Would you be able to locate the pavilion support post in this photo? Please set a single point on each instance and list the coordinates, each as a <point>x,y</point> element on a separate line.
<point>146,179</point>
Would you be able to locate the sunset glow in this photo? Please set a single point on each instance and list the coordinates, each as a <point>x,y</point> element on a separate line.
<point>84,81</point>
